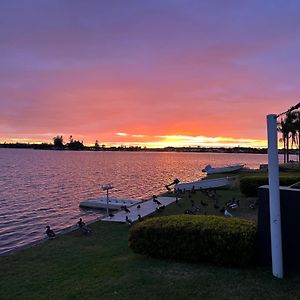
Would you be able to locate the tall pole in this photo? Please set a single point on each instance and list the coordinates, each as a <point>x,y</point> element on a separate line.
<point>107,209</point>
<point>106,188</point>
<point>274,197</point>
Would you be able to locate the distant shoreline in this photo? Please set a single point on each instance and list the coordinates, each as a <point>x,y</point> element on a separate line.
<point>245,150</point>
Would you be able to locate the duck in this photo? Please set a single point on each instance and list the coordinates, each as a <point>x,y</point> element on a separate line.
<point>227,213</point>
<point>235,205</point>
<point>203,203</point>
<point>129,221</point>
<point>158,202</point>
<point>126,209</point>
<point>230,202</point>
<point>50,233</point>
<point>189,212</point>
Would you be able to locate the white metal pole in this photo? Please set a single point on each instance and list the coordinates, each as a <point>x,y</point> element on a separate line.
<point>274,197</point>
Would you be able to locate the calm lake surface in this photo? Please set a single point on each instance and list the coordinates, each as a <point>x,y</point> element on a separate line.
<point>39,188</point>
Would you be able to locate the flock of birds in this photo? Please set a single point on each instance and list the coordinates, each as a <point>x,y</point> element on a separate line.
<point>85,229</point>
<point>159,208</point>
<point>210,193</point>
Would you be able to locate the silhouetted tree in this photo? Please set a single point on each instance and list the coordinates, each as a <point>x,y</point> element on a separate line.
<point>97,146</point>
<point>76,145</point>
<point>58,142</point>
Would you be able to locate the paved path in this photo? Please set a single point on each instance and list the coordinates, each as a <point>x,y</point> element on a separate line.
<point>146,208</point>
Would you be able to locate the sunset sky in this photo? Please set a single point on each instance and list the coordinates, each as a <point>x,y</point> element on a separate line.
<point>154,73</point>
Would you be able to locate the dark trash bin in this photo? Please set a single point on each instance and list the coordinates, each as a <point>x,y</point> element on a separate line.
<point>290,227</point>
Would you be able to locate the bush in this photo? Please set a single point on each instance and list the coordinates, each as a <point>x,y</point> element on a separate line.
<point>249,184</point>
<point>217,240</point>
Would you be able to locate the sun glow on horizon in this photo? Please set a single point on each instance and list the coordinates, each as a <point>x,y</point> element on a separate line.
<point>159,141</point>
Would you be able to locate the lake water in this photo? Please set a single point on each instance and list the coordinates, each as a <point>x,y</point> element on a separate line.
<point>39,188</point>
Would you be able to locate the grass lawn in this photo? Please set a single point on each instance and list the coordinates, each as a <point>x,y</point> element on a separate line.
<point>101,266</point>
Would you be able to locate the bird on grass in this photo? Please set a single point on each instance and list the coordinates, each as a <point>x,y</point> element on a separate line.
<point>195,208</point>
<point>230,202</point>
<point>216,206</point>
<point>227,213</point>
<point>203,203</point>
<point>235,205</point>
<point>83,227</point>
<point>126,209</point>
<point>129,221</point>
<point>111,215</point>
<point>189,212</point>
<point>50,233</point>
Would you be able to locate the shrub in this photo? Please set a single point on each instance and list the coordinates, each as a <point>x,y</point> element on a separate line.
<point>217,240</point>
<point>249,184</point>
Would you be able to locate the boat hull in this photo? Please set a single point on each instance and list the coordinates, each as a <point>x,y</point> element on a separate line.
<point>218,183</point>
<point>230,169</point>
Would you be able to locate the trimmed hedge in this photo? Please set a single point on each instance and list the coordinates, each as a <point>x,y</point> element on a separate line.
<point>249,184</point>
<point>217,240</point>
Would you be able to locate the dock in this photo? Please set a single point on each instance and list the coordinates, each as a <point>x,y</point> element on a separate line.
<point>146,208</point>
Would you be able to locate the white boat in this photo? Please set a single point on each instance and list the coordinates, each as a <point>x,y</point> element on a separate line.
<point>113,203</point>
<point>217,183</point>
<point>228,169</point>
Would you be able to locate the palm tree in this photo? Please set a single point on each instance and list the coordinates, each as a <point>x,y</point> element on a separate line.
<point>290,129</point>
<point>284,130</point>
<point>295,131</point>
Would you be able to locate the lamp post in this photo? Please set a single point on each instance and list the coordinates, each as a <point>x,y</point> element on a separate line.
<point>274,193</point>
<point>106,188</point>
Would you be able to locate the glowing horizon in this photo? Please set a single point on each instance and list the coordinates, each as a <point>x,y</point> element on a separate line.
<point>166,141</point>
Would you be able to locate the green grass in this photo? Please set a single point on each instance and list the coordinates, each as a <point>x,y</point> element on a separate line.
<point>101,266</point>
